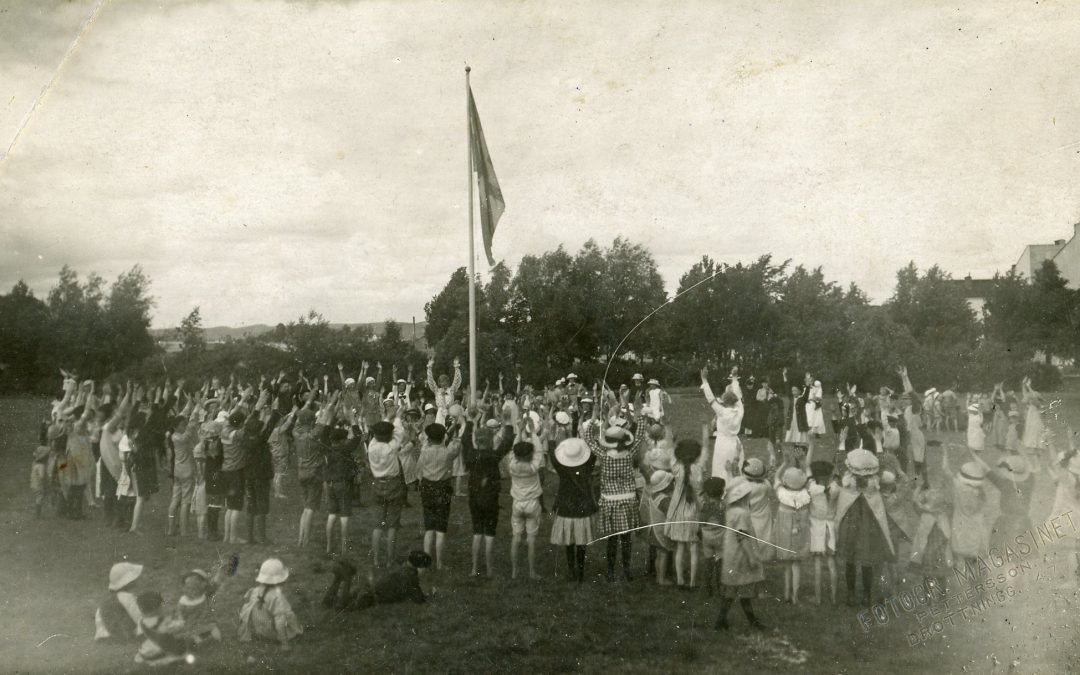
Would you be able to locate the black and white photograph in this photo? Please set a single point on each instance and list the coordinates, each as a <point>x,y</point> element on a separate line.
<point>508,336</point>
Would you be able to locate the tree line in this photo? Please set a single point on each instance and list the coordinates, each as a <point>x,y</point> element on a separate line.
<point>586,312</point>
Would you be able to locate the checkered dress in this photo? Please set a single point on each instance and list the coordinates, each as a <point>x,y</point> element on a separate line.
<point>620,513</point>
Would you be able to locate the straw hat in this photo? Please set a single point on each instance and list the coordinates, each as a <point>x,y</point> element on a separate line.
<point>794,478</point>
<point>562,418</point>
<point>888,478</point>
<point>572,452</point>
<point>617,438</point>
<point>123,574</point>
<point>585,400</point>
<point>659,481</point>
<point>654,382</point>
<point>862,462</point>
<point>492,423</point>
<point>637,377</point>
<point>349,381</point>
<point>659,459</point>
<point>369,380</point>
<point>400,380</point>
<point>272,571</point>
<point>754,469</point>
<point>972,473</point>
<point>429,408</point>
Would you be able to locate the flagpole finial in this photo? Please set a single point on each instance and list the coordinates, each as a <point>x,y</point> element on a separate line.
<point>467,68</point>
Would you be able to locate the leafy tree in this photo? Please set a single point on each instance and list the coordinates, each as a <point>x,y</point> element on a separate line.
<point>24,321</point>
<point>190,334</point>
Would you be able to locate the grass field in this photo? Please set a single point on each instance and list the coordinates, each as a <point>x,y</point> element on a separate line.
<point>54,573</point>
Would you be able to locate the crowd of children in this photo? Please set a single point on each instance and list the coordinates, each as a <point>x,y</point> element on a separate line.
<point>866,507</point>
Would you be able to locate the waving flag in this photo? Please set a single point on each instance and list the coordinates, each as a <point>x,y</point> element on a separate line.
<point>492,204</point>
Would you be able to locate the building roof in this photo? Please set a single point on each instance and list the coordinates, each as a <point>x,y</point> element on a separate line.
<point>973,288</point>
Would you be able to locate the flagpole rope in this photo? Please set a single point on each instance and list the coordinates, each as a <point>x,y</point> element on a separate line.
<point>691,522</point>
<point>648,316</point>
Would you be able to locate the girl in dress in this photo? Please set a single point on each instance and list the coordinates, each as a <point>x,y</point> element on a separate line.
<point>913,420</point>
<point>791,528</point>
<point>1066,473</point>
<point>976,438</point>
<point>823,490</point>
<point>931,547</point>
<point>654,508</point>
<point>574,503</point>
<point>615,449</point>
<point>862,539</point>
<point>684,507</point>
<point>1016,484</point>
<point>1033,424</point>
<point>742,572</point>
<point>760,505</point>
<point>970,531</point>
<point>815,415</point>
<point>799,431</point>
<point>1000,422</point>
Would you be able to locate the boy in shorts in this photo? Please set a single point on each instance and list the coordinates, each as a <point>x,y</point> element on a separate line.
<point>388,488</point>
<point>526,492</point>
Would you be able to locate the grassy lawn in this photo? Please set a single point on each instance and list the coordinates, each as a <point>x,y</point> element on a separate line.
<point>54,573</point>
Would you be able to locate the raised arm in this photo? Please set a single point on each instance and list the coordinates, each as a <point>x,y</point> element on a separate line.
<point>707,390</point>
<point>456,384</point>
<point>431,384</point>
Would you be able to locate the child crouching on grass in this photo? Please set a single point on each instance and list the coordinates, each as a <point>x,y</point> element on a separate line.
<point>162,644</point>
<point>399,585</point>
<point>266,614</point>
<point>118,616</point>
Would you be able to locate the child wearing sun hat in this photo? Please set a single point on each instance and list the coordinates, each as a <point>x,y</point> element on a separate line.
<point>574,503</point>
<point>742,571</point>
<point>970,530</point>
<point>654,507</point>
<point>266,613</point>
<point>791,526</point>
<point>862,532</point>
<point>118,616</point>
<point>615,450</point>
<point>760,504</point>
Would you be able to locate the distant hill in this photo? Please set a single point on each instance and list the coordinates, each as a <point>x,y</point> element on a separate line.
<point>222,333</point>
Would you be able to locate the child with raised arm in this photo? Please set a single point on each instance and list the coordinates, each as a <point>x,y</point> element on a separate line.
<point>526,492</point>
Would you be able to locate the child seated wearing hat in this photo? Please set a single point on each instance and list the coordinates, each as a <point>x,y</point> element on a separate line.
<point>266,613</point>
<point>118,616</point>
<point>162,644</point>
<point>194,607</point>
<point>401,584</point>
<point>712,537</point>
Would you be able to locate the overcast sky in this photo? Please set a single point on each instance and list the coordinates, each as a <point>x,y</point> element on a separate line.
<point>262,158</point>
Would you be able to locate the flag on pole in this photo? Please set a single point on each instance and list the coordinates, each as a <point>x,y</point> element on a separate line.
<point>492,204</point>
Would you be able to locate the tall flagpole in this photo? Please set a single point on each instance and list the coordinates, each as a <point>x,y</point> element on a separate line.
<point>472,255</point>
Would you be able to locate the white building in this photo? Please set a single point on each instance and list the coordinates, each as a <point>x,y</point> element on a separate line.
<point>1066,254</point>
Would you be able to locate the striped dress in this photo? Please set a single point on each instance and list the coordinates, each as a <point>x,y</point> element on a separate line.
<point>619,509</point>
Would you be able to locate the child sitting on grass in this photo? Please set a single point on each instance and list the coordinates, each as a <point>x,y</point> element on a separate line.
<point>162,644</point>
<point>118,616</point>
<point>266,614</point>
<point>194,608</point>
<point>399,585</point>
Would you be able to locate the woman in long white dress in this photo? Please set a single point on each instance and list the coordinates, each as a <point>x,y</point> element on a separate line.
<point>1033,424</point>
<point>729,414</point>
<point>815,416</point>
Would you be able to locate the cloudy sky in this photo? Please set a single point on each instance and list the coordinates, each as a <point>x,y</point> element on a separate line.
<point>262,158</point>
